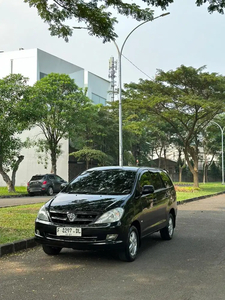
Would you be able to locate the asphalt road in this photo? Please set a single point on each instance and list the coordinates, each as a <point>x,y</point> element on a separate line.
<point>15,201</point>
<point>189,267</point>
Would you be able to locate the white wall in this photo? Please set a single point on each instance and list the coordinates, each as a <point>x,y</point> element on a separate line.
<point>97,86</point>
<point>30,166</point>
<point>47,63</point>
<point>22,62</point>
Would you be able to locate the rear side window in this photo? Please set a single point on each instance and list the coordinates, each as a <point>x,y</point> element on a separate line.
<point>166,179</point>
<point>145,179</point>
<point>58,179</point>
<point>37,177</point>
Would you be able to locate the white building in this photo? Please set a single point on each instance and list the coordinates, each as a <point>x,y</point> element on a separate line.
<point>35,64</point>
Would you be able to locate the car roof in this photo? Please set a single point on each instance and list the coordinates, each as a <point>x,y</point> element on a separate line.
<point>125,168</point>
<point>43,174</point>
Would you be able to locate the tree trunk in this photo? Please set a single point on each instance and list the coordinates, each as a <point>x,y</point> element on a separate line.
<point>7,180</point>
<point>193,168</point>
<point>87,163</point>
<point>53,161</point>
<point>165,161</point>
<point>180,173</point>
<point>195,179</point>
<point>181,165</point>
<point>19,160</point>
<point>205,172</point>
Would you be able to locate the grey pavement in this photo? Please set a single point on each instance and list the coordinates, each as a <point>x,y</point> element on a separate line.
<point>29,243</point>
<point>189,267</point>
<point>15,201</point>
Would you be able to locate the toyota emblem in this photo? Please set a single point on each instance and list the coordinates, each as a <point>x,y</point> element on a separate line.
<point>71,216</point>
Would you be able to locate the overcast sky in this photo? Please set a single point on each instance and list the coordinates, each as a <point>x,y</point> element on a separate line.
<point>189,36</point>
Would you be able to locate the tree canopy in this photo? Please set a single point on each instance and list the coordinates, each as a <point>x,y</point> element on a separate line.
<point>88,154</point>
<point>99,131</point>
<point>187,99</point>
<point>62,106</point>
<point>16,114</point>
<point>97,14</point>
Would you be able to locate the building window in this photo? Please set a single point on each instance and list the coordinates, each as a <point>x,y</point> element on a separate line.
<point>42,75</point>
<point>97,99</point>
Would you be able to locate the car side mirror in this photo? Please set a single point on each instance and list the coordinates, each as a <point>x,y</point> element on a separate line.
<point>148,189</point>
<point>63,185</point>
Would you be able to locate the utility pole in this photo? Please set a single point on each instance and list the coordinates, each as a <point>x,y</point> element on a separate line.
<point>112,76</point>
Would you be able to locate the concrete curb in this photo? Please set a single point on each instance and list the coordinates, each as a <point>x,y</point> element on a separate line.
<point>30,243</point>
<point>17,246</point>
<point>14,196</point>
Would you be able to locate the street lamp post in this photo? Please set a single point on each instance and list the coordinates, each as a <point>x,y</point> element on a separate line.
<point>120,51</point>
<point>222,131</point>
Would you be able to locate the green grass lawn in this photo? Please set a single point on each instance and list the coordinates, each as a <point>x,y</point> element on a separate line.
<point>17,223</point>
<point>185,193</point>
<point>19,190</point>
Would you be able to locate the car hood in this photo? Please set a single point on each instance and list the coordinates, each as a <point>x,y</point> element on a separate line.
<point>83,202</point>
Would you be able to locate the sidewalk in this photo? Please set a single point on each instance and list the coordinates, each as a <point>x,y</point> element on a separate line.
<point>30,242</point>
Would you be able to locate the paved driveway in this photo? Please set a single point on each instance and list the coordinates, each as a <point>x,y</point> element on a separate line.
<point>190,267</point>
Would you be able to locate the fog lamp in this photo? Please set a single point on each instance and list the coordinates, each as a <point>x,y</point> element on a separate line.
<point>111,237</point>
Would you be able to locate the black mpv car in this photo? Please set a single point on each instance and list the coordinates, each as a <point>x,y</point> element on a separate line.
<point>109,208</point>
<point>44,184</point>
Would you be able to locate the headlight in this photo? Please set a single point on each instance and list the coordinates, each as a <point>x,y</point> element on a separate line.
<point>43,214</point>
<point>111,216</point>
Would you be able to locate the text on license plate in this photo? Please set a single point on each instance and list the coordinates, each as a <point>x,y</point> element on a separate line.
<point>68,231</point>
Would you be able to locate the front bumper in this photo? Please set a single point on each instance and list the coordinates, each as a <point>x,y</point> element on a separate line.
<point>93,237</point>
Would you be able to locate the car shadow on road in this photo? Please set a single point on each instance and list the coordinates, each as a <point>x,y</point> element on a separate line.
<point>87,256</point>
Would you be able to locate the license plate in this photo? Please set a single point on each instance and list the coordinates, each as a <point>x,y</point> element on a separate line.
<point>68,231</point>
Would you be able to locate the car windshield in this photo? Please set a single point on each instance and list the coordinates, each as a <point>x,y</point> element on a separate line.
<point>103,182</point>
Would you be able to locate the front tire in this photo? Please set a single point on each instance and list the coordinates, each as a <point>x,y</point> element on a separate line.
<point>167,232</point>
<point>131,248</point>
<point>51,250</point>
<point>50,191</point>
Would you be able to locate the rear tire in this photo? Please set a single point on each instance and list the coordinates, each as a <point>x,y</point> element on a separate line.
<point>51,250</point>
<point>167,232</point>
<point>131,248</point>
<point>50,191</point>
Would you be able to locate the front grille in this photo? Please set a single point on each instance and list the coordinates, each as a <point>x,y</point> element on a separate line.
<point>82,218</point>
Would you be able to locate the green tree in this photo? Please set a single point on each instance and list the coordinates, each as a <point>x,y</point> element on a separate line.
<point>88,154</point>
<point>145,134</point>
<point>187,99</point>
<point>99,132</point>
<point>62,106</point>
<point>16,114</point>
<point>97,14</point>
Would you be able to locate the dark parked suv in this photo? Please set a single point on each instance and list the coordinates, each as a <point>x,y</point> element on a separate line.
<point>44,184</point>
<point>109,208</point>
